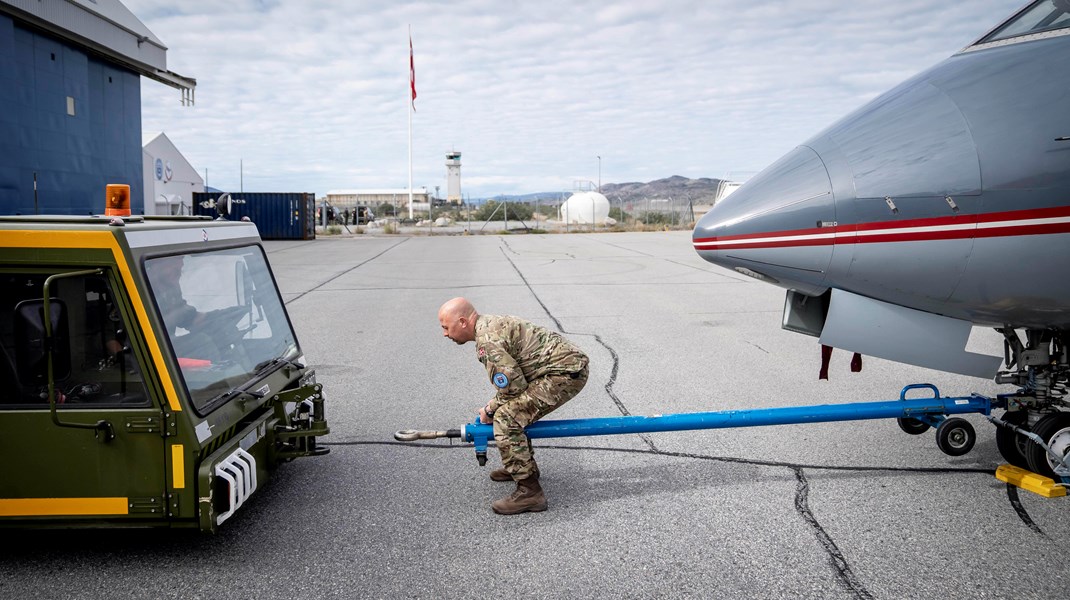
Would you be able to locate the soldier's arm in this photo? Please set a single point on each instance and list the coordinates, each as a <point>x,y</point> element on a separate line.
<point>505,375</point>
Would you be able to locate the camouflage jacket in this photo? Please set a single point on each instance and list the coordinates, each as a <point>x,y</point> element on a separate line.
<point>515,352</point>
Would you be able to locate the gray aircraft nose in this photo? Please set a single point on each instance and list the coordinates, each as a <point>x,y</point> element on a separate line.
<point>779,226</point>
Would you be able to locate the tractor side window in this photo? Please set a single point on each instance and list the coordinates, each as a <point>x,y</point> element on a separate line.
<point>93,366</point>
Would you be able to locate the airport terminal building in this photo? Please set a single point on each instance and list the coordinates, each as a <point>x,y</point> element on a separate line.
<point>399,197</point>
<point>70,103</point>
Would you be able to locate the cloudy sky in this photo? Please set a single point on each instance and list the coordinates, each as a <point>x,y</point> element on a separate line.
<point>312,95</point>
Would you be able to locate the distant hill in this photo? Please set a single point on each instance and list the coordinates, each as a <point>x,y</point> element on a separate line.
<point>701,191</point>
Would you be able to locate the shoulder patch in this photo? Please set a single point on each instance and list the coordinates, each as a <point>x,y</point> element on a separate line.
<point>501,380</point>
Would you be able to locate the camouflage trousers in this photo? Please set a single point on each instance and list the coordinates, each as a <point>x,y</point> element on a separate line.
<point>541,397</point>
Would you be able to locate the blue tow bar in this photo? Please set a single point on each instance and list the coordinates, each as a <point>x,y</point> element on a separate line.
<point>923,412</point>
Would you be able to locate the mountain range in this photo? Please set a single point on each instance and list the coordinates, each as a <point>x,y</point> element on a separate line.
<point>701,191</point>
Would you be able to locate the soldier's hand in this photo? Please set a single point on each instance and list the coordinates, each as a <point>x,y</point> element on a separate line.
<point>484,418</point>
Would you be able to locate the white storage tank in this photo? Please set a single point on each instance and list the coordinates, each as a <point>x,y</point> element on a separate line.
<point>585,208</point>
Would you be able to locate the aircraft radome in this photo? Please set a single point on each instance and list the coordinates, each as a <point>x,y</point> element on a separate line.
<point>941,205</point>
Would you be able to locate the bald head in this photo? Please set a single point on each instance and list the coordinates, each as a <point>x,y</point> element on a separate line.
<point>458,320</point>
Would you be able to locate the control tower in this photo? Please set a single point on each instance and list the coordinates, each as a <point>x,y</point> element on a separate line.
<point>453,177</point>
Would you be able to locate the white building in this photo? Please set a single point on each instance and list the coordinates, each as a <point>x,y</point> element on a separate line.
<point>170,180</point>
<point>374,197</point>
<point>585,208</point>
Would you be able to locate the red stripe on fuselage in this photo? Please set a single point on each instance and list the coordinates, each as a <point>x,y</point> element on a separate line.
<point>947,228</point>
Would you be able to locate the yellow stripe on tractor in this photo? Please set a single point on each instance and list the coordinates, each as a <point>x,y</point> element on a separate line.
<point>35,507</point>
<point>178,467</point>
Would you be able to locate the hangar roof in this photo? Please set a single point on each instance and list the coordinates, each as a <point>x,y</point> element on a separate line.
<point>105,27</point>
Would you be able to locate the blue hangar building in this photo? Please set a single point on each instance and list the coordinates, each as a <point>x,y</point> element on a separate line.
<point>70,103</point>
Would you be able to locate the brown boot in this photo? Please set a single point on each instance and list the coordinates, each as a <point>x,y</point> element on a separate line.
<point>527,497</point>
<point>503,475</point>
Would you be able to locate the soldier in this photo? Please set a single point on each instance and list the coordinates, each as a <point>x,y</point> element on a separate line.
<point>534,370</point>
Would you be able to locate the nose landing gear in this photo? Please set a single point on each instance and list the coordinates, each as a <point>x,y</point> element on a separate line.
<point>1054,431</point>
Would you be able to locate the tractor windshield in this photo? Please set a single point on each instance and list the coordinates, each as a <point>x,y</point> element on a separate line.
<point>223,318</point>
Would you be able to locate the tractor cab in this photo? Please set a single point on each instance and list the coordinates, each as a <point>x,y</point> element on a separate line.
<point>149,372</point>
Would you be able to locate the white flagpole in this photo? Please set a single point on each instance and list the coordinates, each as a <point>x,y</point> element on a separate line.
<point>412,86</point>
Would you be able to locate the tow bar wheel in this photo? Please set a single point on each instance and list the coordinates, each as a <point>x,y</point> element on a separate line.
<point>912,426</point>
<point>955,436</point>
<point>1054,429</point>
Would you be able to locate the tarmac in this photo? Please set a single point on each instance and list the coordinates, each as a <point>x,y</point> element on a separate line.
<point>542,225</point>
<point>836,510</point>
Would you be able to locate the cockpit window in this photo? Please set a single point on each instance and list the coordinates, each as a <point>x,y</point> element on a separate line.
<point>1045,15</point>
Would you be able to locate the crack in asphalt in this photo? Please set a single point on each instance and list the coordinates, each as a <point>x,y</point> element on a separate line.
<point>758,347</point>
<point>1016,503</point>
<point>340,273</point>
<point>288,248</point>
<point>510,248</point>
<point>837,561</point>
<point>613,353</point>
<point>506,243</point>
<point>836,558</point>
<point>704,269</point>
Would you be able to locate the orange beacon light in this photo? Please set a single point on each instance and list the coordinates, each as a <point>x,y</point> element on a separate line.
<point>117,200</point>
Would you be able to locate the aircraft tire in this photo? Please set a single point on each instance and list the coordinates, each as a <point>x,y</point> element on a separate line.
<point>1012,446</point>
<point>955,436</point>
<point>1055,430</point>
<point>912,426</point>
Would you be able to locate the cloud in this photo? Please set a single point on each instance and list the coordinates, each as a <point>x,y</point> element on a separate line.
<point>312,96</point>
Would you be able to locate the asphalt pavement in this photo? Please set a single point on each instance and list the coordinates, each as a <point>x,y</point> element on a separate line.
<point>840,510</point>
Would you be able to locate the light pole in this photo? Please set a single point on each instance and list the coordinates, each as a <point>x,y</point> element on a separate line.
<point>430,207</point>
<point>599,190</point>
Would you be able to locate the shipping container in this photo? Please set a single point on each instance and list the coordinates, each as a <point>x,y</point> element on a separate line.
<point>277,215</point>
